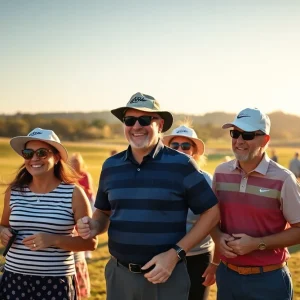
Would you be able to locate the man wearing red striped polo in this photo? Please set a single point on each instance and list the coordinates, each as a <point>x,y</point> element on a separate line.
<point>260,215</point>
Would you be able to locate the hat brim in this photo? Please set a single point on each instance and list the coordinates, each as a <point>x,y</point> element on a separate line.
<point>199,143</point>
<point>18,144</point>
<point>241,125</point>
<point>166,116</point>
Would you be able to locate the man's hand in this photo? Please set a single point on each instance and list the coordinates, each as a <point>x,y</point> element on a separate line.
<point>243,243</point>
<point>164,265</point>
<point>83,227</point>
<point>224,247</point>
<point>209,275</point>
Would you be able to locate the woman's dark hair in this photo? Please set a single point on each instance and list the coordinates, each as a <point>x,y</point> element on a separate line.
<point>63,171</point>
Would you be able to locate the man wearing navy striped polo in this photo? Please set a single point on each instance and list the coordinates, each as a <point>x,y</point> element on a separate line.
<point>143,198</point>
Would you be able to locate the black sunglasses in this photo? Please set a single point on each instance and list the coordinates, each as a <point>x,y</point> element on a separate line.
<point>40,153</point>
<point>184,146</point>
<point>143,120</point>
<point>246,135</point>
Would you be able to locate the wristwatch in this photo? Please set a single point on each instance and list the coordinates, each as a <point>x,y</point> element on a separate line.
<point>180,252</point>
<point>262,245</point>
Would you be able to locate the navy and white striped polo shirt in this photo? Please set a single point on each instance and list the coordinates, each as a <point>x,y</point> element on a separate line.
<point>149,201</point>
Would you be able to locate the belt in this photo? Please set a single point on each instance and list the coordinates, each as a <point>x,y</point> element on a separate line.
<point>254,270</point>
<point>134,268</point>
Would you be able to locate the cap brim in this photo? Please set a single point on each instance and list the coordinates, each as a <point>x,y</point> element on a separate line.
<point>18,144</point>
<point>168,118</point>
<point>199,143</point>
<point>240,125</point>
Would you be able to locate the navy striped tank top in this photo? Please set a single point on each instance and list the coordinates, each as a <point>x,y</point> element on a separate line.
<point>49,213</point>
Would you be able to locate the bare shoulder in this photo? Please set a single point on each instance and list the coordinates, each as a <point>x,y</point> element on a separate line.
<point>7,194</point>
<point>78,191</point>
<point>80,203</point>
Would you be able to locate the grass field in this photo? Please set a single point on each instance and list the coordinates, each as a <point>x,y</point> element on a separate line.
<point>94,155</point>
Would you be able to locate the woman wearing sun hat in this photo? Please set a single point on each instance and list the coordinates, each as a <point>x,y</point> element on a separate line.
<point>42,203</point>
<point>184,139</point>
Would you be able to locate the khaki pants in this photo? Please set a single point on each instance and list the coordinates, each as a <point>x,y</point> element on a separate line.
<point>125,285</point>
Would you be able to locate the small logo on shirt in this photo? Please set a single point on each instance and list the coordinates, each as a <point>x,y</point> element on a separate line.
<point>264,190</point>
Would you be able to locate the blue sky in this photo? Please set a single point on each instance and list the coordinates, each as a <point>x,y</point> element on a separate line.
<point>193,56</point>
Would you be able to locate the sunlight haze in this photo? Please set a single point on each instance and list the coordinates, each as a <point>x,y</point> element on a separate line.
<point>193,56</point>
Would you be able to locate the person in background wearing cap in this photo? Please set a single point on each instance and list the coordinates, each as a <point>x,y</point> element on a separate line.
<point>143,198</point>
<point>260,215</point>
<point>42,204</point>
<point>199,259</point>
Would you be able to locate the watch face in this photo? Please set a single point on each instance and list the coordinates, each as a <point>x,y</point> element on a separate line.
<point>262,246</point>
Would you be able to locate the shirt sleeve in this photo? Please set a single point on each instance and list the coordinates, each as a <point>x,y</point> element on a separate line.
<point>102,201</point>
<point>198,191</point>
<point>290,199</point>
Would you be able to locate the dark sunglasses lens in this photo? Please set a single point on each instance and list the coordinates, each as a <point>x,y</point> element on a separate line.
<point>41,153</point>
<point>145,120</point>
<point>129,121</point>
<point>186,146</point>
<point>248,136</point>
<point>174,146</point>
<point>27,153</point>
<point>235,134</point>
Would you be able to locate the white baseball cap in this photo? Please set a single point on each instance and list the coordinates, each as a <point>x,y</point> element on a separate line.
<point>188,133</point>
<point>38,134</point>
<point>251,119</point>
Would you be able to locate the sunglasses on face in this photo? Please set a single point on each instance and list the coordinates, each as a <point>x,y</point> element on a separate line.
<point>143,120</point>
<point>246,135</point>
<point>184,146</point>
<point>40,153</point>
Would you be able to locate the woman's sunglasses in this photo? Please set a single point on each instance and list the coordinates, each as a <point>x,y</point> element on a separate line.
<point>184,146</point>
<point>143,120</point>
<point>40,153</point>
<point>246,135</point>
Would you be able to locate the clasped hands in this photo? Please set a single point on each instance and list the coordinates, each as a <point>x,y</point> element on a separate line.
<point>236,244</point>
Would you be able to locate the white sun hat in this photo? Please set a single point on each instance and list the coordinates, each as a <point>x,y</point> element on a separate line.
<point>38,134</point>
<point>188,133</point>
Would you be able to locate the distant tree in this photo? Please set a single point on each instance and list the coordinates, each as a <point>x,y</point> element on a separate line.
<point>64,128</point>
<point>106,132</point>
<point>99,123</point>
<point>116,130</point>
<point>16,126</point>
<point>92,133</point>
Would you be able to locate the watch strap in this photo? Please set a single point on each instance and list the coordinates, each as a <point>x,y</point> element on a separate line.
<point>180,252</point>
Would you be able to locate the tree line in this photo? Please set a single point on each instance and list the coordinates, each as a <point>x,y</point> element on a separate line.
<point>102,125</point>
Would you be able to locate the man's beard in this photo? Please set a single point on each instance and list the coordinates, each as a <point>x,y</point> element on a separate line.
<point>141,144</point>
<point>246,157</point>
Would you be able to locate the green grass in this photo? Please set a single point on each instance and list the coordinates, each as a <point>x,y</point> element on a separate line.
<point>94,155</point>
